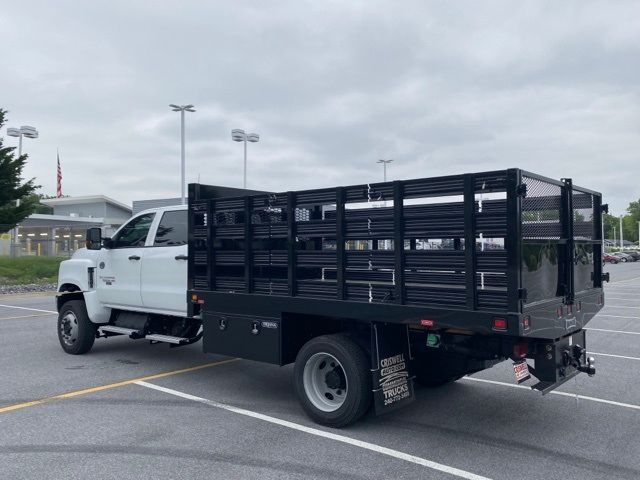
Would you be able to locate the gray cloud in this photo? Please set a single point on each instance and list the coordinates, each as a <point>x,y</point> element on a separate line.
<point>442,87</point>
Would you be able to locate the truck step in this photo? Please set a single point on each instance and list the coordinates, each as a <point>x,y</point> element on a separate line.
<point>131,332</point>
<point>166,338</point>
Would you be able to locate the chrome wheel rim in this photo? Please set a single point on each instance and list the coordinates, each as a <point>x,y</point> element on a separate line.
<point>325,382</point>
<point>69,328</point>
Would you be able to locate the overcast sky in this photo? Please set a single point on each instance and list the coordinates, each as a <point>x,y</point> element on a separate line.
<point>440,87</point>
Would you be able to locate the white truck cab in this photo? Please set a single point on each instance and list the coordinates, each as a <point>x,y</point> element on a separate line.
<point>133,283</point>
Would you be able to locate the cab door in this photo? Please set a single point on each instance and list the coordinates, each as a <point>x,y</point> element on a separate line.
<point>119,267</point>
<point>164,266</point>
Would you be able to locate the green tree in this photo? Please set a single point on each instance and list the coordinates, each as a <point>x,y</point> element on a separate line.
<point>12,186</point>
<point>609,222</point>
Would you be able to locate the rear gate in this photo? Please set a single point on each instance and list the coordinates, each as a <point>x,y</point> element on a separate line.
<point>561,256</point>
<point>561,242</point>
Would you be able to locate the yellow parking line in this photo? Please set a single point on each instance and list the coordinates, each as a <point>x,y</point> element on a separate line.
<point>110,386</point>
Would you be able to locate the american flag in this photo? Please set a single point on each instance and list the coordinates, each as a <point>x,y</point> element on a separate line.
<point>59,178</point>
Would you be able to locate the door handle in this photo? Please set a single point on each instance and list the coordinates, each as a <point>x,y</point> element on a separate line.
<point>182,257</point>
<point>134,257</point>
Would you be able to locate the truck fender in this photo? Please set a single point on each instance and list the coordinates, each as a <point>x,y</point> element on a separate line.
<point>75,281</point>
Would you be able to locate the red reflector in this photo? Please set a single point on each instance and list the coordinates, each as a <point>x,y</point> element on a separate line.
<point>520,350</point>
<point>427,322</point>
<point>499,323</point>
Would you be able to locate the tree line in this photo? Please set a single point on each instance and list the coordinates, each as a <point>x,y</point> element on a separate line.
<point>629,223</point>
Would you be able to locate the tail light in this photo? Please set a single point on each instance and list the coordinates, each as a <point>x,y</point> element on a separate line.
<point>499,323</point>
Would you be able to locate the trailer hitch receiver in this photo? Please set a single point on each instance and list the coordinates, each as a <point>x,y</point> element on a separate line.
<point>573,357</point>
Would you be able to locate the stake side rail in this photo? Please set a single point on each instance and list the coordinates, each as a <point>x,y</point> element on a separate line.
<point>448,246</point>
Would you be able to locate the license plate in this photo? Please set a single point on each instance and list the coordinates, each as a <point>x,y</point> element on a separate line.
<point>521,371</point>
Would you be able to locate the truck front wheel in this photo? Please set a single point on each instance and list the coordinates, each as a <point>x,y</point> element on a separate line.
<point>76,332</point>
<point>333,380</point>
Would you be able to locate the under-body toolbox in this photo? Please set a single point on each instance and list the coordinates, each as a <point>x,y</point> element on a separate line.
<point>244,336</point>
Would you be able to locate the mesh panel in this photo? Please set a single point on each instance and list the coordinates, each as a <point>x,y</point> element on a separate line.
<point>302,214</point>
<point>583,226</point>
<point>541,210</point>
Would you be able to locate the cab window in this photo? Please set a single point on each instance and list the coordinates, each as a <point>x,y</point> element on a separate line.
<point>172,230</point>
<point>134,233</point>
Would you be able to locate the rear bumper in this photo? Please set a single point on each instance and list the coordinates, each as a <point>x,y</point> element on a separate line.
<point>557,361</point>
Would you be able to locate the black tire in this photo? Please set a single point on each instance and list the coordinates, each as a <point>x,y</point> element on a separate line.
<point>76,332</point>
<point>356,367</point>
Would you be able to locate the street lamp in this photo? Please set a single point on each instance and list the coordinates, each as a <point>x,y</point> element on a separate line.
<point>24,131</point>
<point>238,135</point>
<point>621,235</point>
<point>182,109</point>
<point>384,164</point>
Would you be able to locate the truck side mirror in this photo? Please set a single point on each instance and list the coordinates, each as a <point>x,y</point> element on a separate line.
<point>94,238</point>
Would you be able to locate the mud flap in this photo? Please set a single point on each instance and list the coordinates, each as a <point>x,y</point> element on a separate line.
<point>392,382</point>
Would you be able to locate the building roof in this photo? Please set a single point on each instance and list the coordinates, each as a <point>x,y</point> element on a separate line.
<point>52,202</point>
<point>52,221</point>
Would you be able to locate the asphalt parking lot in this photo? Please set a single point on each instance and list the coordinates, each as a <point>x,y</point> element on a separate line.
<point>130,410</point>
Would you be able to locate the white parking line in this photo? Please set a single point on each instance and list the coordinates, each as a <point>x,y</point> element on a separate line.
<point>25,308</point>
<point>624,281</point>
<point>555,392</point>
<point>612,355</point>
<point>611,331</point>
<point>27,316</point>
<point>321,433</point>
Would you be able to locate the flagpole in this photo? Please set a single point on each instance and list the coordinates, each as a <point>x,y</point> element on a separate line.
<point>58,175</point>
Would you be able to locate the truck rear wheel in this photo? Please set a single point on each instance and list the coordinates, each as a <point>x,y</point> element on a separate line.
<point>333,380</point>
<point>76,332</point>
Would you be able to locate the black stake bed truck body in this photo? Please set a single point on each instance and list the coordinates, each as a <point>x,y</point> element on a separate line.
<point>368,287</point>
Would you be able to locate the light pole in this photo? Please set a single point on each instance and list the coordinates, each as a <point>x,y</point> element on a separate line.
<point>23,131</point>
<point>182,109</point>
<point>621,240</point>
<point>238,135</point>
<point>384,164</point>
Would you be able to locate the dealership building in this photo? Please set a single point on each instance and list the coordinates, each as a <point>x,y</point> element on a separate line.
<point>63,231</point>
